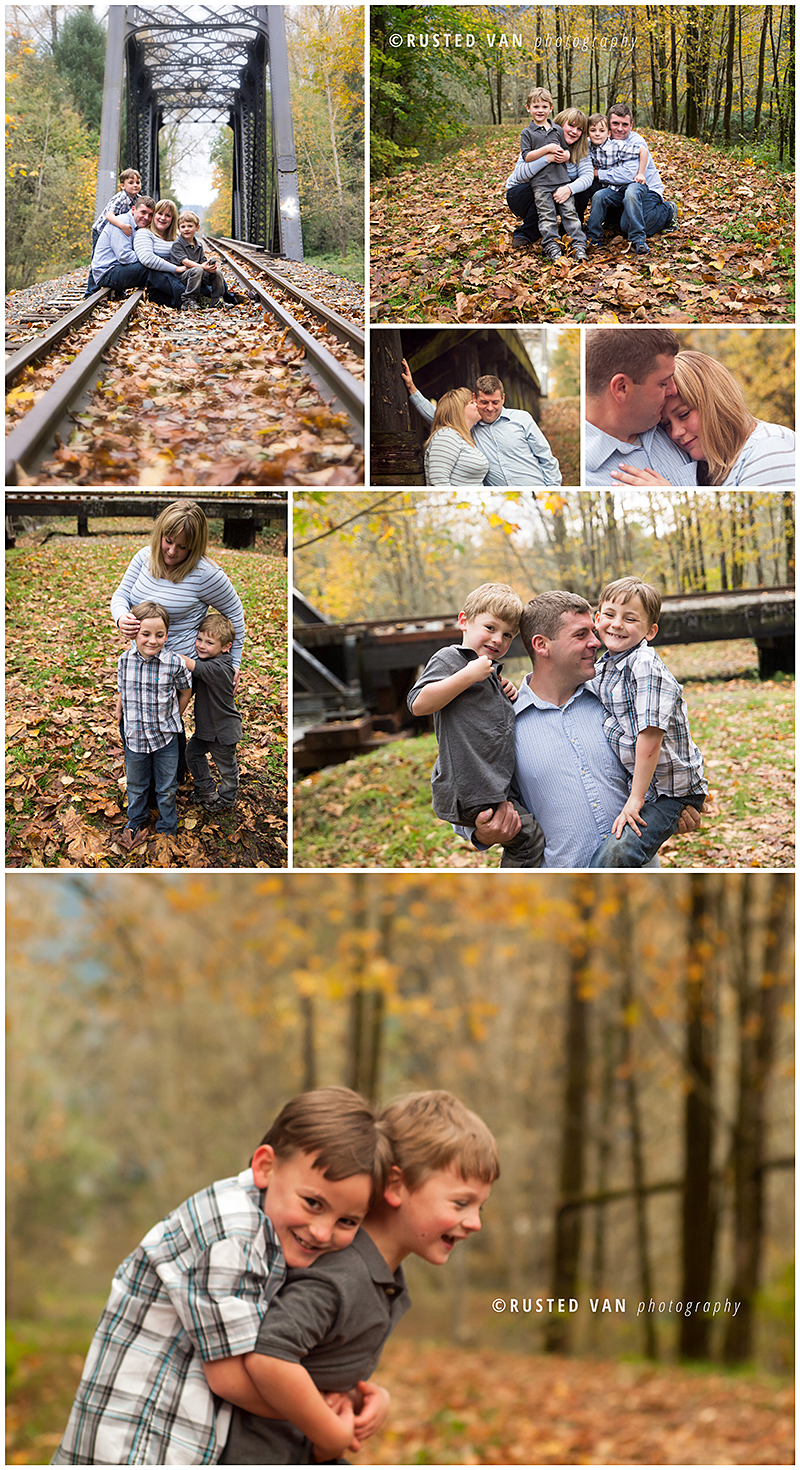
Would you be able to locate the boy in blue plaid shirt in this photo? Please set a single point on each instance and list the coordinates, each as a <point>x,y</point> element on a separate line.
<point>646,725</point>
<point>154,688</point>
<point>121,203</point>
<point>197,1287</point>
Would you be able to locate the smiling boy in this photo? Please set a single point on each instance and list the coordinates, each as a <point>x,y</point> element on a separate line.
<point>153,690</point>
<point>217,724</point>
<point>202,273</point>
<point>646,723</point>
<point>474,720</point>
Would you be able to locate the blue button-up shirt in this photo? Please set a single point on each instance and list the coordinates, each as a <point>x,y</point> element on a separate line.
<point>654,451</point>
<point>514,445</point>
<point>113,247</point>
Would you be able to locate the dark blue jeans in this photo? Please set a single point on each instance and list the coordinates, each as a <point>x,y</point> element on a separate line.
<point>162,766</point>
<point>629,851</point>
<point>164,288</point>
<point>122,278</point>
<point>521,202</point>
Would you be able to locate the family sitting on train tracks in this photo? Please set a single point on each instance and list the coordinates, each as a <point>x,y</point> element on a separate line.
<point>138,242</point>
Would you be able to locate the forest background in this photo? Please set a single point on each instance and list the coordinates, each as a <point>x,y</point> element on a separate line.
<point>628,1040</point>
<point>55,62</point>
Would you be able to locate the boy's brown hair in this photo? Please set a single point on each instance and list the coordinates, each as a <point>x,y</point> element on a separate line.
<point>538,94</point>
<point>219,627</point>
<point>626,588</point>
<point>341,1128</point>
<point>432,1131</point>
<point>598,117</point>
<point>189,214</point>
<point>130,173</point>
<point>497,598</point>
<point>151,610</point>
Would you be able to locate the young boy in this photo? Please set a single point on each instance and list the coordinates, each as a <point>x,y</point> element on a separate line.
<point>327,1328</point>
<point>217,725</point>
<point>196,1289</point>
<point>154,689</point>
<point>474,720</point>
<point>121,203</point>
<point>646,721</point>
<point>632,182</point>
<point>201,272</point>
<point>535,142</point>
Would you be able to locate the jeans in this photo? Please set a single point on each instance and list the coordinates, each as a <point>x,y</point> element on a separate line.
<point>164,288</point>
<point>643,211</point>
<point>224,758</point>
<point>90,284</point>
<point>162,766</point>
<point>548,212</point>
<point>521,202</point>
<point>629,851</point>
<point>122,278</point>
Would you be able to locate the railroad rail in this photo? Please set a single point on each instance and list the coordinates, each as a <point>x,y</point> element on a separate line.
<point>351,679</point>
<point>38,348</point>
<point>347,331</point>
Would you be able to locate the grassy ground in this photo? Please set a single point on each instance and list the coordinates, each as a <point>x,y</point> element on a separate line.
<point>64,762</point>
<point>352,267</point>
<point>375,811</point>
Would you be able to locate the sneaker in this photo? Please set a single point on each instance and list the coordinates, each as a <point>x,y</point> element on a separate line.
<point>642,248</point>
<point>519,240</point>
<point>189,306</point>
<point>580,252</point>
<point>672,223</point>
<point>552,252</point>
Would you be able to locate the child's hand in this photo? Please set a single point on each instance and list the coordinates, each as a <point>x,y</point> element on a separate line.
<point>510,690</point>
<point>376,1407</point>
<point>629,817</point>
<point>340,1405</point>
<point>480,669</point>
<point>639,178</point>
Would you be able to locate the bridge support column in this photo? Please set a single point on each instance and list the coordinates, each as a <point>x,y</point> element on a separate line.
<point>286,217</point>
<point>111,116</point>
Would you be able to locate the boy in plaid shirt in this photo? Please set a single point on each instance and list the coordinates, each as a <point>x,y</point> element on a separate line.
<point>154,688</point>
<point>646,725</point>
<point>121,203</point>
<point>195,1291</point>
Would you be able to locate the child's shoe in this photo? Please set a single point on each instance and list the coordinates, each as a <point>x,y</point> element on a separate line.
<point>642,247</point>
<point>552,251</point>
<point>581,251</point>
<point>672,223</point>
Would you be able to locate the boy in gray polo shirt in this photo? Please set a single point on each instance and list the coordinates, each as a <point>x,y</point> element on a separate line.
<point>217,723</point>
<point>474,720</point>
<point>332,1319</point>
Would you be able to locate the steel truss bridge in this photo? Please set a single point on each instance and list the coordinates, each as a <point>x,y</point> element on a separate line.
<point>227,63</point>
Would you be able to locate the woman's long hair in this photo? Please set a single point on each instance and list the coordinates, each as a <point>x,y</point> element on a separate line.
<point>182,518</point>
<point>576,119</point>
<point>726,423</point>
<point>450,414</point>
<point>162,205</point>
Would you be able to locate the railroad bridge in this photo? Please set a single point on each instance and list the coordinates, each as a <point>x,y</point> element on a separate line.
<point>351,680</point>
<point>225,63</point>
<point>242,512</point>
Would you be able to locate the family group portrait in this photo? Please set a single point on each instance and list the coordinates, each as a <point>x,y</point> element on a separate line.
<point>480,406</point>
<point>399,1186</point>
<point>544,678</point>
<point>632,164</point>
<point>145,681</point>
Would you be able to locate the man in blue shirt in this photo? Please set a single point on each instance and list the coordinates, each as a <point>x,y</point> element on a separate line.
<point>567,775</point>
<point>513,443</point>
<point>114,262</point>
<point>628,379</point>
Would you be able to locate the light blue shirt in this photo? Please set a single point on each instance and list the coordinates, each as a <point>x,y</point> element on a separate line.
<point>113,248</point>
<point>514,445</point>
<point>654,451</point>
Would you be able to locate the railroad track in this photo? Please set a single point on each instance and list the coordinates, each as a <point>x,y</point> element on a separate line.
<point>50,419</point>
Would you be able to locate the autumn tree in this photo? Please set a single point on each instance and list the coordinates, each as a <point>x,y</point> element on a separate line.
<point>79,54</point>
<point>326,50</point>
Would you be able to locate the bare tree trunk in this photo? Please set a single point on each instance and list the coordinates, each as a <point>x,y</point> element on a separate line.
<point>729,56</point>
<point>627,1000</point>
<point>698,1201</point>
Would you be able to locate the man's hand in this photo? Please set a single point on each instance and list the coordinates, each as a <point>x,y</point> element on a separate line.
<point>689,821</point>
<point>510,690</point>
<point>629,474</point>
<point>407,378</point>
<point>629,817</point>
<point>501,828</point>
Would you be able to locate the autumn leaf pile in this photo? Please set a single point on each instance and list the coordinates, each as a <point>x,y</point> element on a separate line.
<point>215,397</point>
<point>454,1407</point>
<point>441,246</point>
<point>64,764</point>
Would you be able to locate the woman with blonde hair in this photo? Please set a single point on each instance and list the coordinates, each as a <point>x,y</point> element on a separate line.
<point>451,454</point>
<point>709,420</point>
<point>153,248</point>
<point>574,125</point>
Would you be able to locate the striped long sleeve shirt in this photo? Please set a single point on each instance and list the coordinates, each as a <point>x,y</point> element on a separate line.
<point>187,602</point>
<point>450,460</point>
<point>766,459</point>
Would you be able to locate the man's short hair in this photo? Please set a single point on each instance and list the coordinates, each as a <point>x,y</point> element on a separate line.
<point>620,109</point>
<point>432,1131</point>
<point>626,588</point>
<point>497,598</point>
<point>543,614</point>
<point>629,350</point>
<point>130,173</point>
<point>151,610</point>
<point>189,214</point>
<point>489,384</point>
<point>538,94</point>
<point>219,627</point>
<point>144,201</point>
<point>341,1128</point>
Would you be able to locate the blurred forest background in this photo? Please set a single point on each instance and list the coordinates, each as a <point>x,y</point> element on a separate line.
<point>365,554</point>
<point>55,64</point>
<point>628,1040</point>
<point>722,74</point>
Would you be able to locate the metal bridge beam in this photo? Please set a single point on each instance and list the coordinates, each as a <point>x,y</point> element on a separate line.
<point>286,198</point>
<point>111,116</point>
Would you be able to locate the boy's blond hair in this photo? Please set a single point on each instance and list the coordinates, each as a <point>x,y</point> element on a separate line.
<point>432,1131</point>
<point>151,610</point>
<point>219,627</point>
<point>626,588</point>
<point>340,1128</point>
<point>497,598</point>
<point>189,214</point>
<point>538,94</point>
